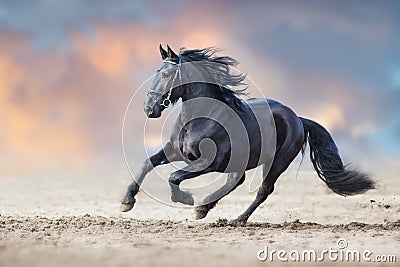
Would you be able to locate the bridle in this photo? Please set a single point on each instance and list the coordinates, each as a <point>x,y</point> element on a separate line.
<point>167,101</point>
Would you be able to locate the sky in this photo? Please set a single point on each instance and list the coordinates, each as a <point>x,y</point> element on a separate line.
<point>69,68</point>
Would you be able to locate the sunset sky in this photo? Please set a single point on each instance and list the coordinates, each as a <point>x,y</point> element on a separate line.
<point>69,68</point>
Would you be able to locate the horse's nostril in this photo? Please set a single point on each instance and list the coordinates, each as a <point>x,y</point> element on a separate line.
<point>148,110</point>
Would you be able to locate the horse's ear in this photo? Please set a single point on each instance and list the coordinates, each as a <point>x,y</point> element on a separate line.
<point>171,54</point>
<point>164,54</point>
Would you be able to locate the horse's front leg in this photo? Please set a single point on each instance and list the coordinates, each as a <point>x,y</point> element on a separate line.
<point>177,195</point>
<point>164,156</point>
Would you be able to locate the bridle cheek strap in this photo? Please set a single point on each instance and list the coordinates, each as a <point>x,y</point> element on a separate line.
<point>167,101</point>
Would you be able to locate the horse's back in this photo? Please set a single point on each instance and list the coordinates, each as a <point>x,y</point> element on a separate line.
<point>277,108</point>
<point>287,123</point>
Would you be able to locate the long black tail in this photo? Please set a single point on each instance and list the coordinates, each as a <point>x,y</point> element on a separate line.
<point>327,163</point>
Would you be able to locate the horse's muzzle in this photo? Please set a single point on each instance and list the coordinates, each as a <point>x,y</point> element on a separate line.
<point>148,110</point>
<point>152,112</point>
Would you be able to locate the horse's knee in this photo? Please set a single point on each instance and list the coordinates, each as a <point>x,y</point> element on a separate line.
<point>148,165</point>
<point>174,178</point>
<point>133,188</point>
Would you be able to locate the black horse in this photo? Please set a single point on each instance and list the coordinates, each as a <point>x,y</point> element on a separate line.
<point>287,135</point>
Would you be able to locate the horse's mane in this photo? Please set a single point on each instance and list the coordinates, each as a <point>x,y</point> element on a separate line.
<point>220,70</point>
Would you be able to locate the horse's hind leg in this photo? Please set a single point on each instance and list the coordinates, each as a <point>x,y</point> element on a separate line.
<point>164,156</point>
<point>266,188</point>
<point>234,180</point>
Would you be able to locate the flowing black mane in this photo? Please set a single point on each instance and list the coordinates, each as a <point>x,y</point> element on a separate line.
<point>220,70</point>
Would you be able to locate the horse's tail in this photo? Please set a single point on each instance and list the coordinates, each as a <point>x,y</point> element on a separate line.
<point>327,163</point>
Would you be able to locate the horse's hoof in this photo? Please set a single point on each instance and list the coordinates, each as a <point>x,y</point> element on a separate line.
<point>182,197</point>
<point>187,198</point>
<point>200,213</point>
<point>126,207</point>
<point>238,222</point>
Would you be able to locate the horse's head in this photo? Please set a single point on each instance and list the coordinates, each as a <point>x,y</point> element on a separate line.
<point>165,86</point>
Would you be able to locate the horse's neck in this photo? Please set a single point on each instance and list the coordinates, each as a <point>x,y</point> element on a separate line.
<point>203,90</point>
<point>204,100</point>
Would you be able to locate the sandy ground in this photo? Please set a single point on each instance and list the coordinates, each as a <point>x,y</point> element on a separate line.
<point>50,221</point>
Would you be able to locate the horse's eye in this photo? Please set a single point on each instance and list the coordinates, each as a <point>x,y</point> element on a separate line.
<point>165,74</point>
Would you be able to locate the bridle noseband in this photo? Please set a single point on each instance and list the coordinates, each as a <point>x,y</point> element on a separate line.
<point>167,101</point>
